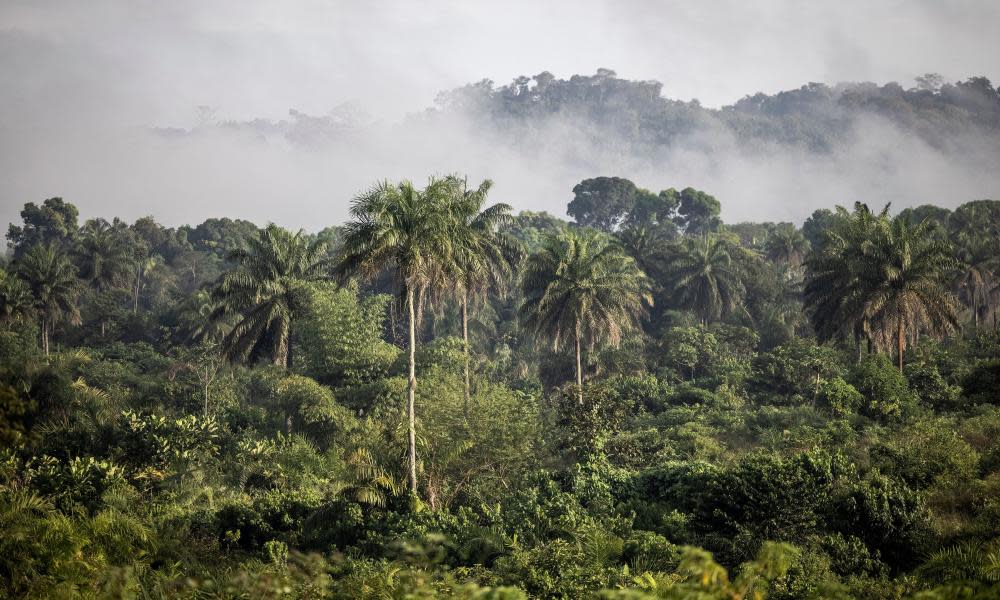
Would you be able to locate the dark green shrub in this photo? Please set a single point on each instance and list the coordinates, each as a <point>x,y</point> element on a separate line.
<point>887,394</point>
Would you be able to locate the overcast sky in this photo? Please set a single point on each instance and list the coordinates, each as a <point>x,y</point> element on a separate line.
<point>82,83</point>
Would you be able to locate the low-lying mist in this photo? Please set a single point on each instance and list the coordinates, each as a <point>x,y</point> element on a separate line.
<point>774,158</point>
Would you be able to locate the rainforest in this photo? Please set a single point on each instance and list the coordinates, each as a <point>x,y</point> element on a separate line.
<point>443,398</point>
<point>499,300</point>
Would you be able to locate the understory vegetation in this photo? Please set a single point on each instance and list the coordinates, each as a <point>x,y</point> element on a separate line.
<point>443,399</point>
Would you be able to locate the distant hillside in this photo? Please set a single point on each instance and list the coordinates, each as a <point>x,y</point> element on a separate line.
<point>816,116</point>
<point>767,157</point>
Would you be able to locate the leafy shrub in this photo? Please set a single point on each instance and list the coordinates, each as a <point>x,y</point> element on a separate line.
<point>887,394</point>
<point>80,481</point>
<point>340,336</point>
<point>932,389</point>
<point>792,373</point>
<point>648,551</point>
<point>840,397</point>
<point>926,451</point>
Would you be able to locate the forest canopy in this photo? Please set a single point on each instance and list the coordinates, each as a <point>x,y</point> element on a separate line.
<point>443,398</point>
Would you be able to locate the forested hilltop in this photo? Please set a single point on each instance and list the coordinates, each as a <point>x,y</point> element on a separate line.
<point>770,156</point>
<point>815,117</point>
<point>440,398</point>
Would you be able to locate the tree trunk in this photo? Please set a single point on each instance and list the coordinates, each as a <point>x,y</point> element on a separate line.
<point>411,393</point>
<point>208,382</point>
<point>465,339</point>
<point>975,314</point>
<point>45,338</point>
<point>420,308</point>
<point>579,367</point>
<point>899,343</point>
<point>103,327</point>
<point>135,297</point>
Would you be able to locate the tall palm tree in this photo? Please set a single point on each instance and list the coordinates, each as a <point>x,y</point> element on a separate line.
<point>102,258</point>
<point>483,254</point>
<point>263,292</point>
<point>409,231</point>
<point>704,277</point>
<point>881,279</point>
<point>581,284</point>
<point>786,244</point>
<point>833,293</point>
<point>904,291</point>
<point>51,278</point>
<point>978,265</point>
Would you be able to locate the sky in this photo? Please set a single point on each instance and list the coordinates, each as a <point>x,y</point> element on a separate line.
<point>84,86</point>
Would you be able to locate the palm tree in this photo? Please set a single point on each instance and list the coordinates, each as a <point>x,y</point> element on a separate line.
<point>199,319</point>
<point>833,294</point>
<point>581,284</point>
<point>51,278</point>
<point>15,299</point>
<point>978,261</point>
<point>904,291</point>
<point>410,231</point>
<point>651,247</point>
<point>264,292</point>
<point>483,255</point>
<point>103,260</point>
<point>786,244</point>
<point>704,278</point>
<point>879,278</point>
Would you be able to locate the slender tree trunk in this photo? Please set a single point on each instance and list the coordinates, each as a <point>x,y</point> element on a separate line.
<point>135,297</point>
<point>411,392</point>
<point>465,339</point>
<point>103,327</point>
<point>420,308</point>
<point>899,343</point>
<point>579,367</point>
<point>207,383</point>
<point>45,338</point>
<point>975,314</point>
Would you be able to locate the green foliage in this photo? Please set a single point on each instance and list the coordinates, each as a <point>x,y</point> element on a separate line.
<point>926,452</point>
<point>703,443</point>
<point>793,373</point>
<point>582,287</point>
<point>265,293</point>
<point>931,387</point>
<point>52,223</point>
<point>887,395</point>
<point>879,279</point>
<point>840,397</point>
<point>704,278</point>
